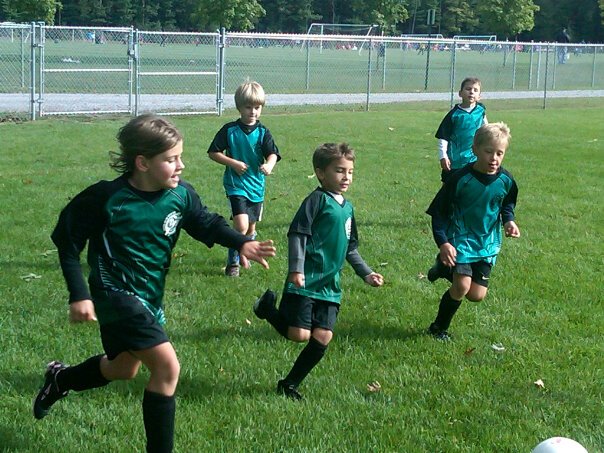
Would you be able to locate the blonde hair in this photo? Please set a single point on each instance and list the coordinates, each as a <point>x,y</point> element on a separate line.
<point>146,135</point>
<point>249,93</point>
<point>492,133</point>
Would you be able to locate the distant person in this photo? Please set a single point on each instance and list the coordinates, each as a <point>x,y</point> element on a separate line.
<point>468,215</point>
<point>131,225</point>
<point>247,150</point>
<point>562,51</point>
<point>321,236</point>
<point>456,131</point>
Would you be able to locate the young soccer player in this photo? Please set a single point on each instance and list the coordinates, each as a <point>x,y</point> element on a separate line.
<point>321,236</point>
<point>457,129</point>
<point>467,217</point>
<point>247,149</point>
<point>131,225</point>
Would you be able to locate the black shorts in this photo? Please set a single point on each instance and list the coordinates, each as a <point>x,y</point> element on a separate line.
<point>138,332</point>
<point>480,272</point>
<point>308,313</point>
<point>241,205</point>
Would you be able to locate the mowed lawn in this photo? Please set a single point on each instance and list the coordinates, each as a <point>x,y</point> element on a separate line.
<point>544,307</point>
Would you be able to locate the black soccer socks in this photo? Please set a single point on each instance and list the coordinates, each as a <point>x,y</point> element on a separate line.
<point>446,310</point>
<point>306,361</point>
<point>158,416</point>
<point>86,375</point>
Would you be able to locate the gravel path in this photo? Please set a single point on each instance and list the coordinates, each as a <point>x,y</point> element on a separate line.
<point>90,103</point>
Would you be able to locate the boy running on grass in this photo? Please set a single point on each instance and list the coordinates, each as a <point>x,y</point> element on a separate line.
<point>467,216</point>
<point>247,150</point>
<point>131,225</point>
<point>456,131</point>
<point>321,236</point>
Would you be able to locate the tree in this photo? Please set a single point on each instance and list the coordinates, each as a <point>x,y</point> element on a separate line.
<point>287,16</point>
<point>506,17</point>
<point>457,17</point>
<point>385,13</point>
<point>240,15</point>
<point>30,10</point>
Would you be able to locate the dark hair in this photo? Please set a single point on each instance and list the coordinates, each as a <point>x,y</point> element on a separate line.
<point>146,135</point>
<point>326,153</point>
<point>472,80</point>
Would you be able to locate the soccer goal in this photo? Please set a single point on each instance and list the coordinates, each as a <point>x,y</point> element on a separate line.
<point>364,31</point>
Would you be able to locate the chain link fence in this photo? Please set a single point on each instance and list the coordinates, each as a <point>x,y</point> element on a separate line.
<point>76,70</point>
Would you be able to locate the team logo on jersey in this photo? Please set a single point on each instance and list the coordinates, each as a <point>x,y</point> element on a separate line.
<point>348,227</point>
<point>171,222</point>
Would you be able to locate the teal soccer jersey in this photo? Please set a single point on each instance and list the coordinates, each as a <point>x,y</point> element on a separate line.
<point>468,212</point>
<point>249,144</point>
<point>458,128</point>
<point>331,234</point>
<point>130,236</point>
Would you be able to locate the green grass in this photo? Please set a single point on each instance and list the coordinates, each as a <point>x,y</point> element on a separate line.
<point>544,305</point>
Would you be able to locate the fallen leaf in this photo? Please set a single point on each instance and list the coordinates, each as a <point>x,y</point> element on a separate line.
<point>390,128</point>
<point>539,384</point>
<point>311,176</point>
<point>29,277</point>
<point>248,322</point>
<point>469,351</point>
<point>384,264</point>
<point>421,276</point>
<point>374,387</point>
<point>498,347</point>
<point>48,252</point>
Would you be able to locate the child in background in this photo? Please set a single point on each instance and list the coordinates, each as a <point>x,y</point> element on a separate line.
<point>457,129</point>
<point>247,149</point>
<point>131,225</point>
<point>321,236</point>
<point>467,216</point>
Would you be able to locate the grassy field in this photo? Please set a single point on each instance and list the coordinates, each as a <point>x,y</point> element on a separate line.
<point>289,69</point>
<point>545,304</point>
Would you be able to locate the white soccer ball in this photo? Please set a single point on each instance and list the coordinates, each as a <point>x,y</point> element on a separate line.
<point>559,445</point>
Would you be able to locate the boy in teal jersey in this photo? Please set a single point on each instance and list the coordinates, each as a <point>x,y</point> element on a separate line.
<point>467,217</point>
<point>457,129</point>
<point>321,236</point>
<point>131,225</point>
<point>247,150</point>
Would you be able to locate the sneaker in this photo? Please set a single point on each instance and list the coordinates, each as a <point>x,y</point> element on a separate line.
<point>288,390</point>
<point>264,304</point>
<point>49,393</point>
<point>232,270</point>
<point>438,333</point>
<point>439,270</point>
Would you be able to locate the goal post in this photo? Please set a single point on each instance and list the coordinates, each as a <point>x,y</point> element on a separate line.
<point>364,31</point>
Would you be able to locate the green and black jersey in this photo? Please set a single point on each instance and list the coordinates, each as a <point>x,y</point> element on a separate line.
<point>249,144</point>
<point>130,236</point>
<point>327,232</point>
<point>458,128</point>
<point>468,212</point>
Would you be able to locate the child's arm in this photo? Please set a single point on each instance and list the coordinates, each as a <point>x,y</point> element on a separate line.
<point>238,166</point>
<point>511,229</point>
<point>507,212</point>
<point>256,251</point>
<point>445,163</point>
<point>82,311</point>
<point>269,164</point>
<point>296,245</point>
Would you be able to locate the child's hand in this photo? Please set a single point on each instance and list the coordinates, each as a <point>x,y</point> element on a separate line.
<point>448,254</point>
<point>297,278</point>
<point>511,229</point>
<point>82,311</point>
<point>267,168</point>
<point>239,167</point>
<point>374,279</point>
<point>256,251</point>
<point>445,164</point>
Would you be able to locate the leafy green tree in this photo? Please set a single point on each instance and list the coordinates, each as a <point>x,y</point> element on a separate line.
<point>457,17</point>
<point>385,13</point>
<point>240,15</point>
<point>287,16</point>
<point>30,10</point>
<point>506,18</point>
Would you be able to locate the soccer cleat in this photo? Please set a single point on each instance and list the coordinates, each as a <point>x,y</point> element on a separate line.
<point>264,304</point>
<point>439,270</point>
<point>232,270</point>
<point>49,393</point>
<point>288,390</point>
<point>438,333</point>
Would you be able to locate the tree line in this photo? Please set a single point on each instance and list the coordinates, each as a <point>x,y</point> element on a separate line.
<point>538,20</point>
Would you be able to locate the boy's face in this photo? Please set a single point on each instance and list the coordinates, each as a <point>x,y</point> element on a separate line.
<point>250,113</point>
<point>469,94</point>
<point>489,156</point>
<point>337,176</point>
<point>162,171</point>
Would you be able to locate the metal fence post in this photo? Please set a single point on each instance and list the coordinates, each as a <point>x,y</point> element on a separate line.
<point>42,77</point>
<point>221,39</point>
<point>545,76</point>
<point>452,72</point>
<point>137,85</point>
<point>307,65</point>
<point>368,74</point>
<point>131,63</point>
<point>530,74</point>
<point>593,69</point>
<point>556,50</point>
<point>32,72</point>
<point>514,67</point>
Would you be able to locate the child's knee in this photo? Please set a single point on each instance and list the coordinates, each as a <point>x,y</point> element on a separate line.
<point>323,336</point>
<point>298,335</point>
<point>476,293</point>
